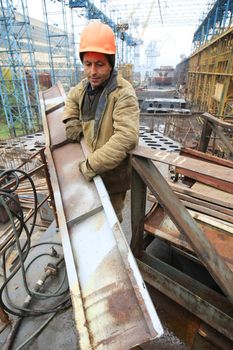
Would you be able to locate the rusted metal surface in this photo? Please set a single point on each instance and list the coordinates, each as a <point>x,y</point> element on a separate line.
<point>217,126</point>
<point>4,319</point>
<point>112,307</point>
<point>204,249</point>
<point>202,206</point>
<point>205,193</point>
<point>212,174</point>
<point>221,240</point>
<point>217,121</point>
<point>208,305</point>
<point>192,153</point>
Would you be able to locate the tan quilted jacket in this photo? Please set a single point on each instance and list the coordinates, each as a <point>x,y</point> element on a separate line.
<point>113,133</point>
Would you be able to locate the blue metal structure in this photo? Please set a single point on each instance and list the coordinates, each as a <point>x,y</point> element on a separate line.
<point>19,88</point>
<point>94,13</point>
<point>75,48</point>
<point>218,19</point>
<point>58,41</point>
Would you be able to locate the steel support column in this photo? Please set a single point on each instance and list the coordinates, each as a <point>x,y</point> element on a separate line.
<point>138,205</point>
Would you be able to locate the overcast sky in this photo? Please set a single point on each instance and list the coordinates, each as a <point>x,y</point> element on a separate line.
<point>171,42</point>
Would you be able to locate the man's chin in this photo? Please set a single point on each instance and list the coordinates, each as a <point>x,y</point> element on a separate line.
<point>95,83</point>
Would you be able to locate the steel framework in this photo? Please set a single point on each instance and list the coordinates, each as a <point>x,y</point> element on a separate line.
<point>18,79</point>
<point>218,19</point>
<point>59,42</point>
<point>125,42</point>
<point>171,215</point>
<point>210,75</point>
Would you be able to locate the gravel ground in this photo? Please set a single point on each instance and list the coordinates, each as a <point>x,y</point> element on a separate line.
<point>168,341</point>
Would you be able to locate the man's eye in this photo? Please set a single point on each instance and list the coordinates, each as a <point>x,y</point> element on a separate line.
<point>99,64</point>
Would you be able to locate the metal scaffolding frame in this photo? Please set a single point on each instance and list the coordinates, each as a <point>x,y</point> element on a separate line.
<point>218,19</point>
<point>59,42</point>
<point>19,88</point>
<point>125,42</point>
<point>210,73</point>
<point>74,23</point>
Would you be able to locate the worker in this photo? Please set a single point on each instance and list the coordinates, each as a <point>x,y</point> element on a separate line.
<point>104,109</point>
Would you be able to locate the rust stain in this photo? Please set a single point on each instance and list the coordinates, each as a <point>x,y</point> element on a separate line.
<point>116,305</point>
<point>119,308</point>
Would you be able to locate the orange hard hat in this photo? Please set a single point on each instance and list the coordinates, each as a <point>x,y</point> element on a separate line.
<point>97,37</point>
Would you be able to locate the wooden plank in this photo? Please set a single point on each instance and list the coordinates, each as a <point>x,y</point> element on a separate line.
<point>206,210</point>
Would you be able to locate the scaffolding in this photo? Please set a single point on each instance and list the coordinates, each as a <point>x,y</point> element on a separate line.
<point>210,73</point>
<point>59,42</point>
<point>75,44</point>
<point>19,88</point>
<point>125,42</point>
<point>216,22</point>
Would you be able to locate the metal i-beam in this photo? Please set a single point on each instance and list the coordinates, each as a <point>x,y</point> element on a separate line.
<point>112,307</point>
<point>206,304</point>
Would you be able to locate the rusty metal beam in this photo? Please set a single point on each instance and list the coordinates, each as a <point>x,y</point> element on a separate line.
<point>138,205</point>
<point>219,131</point>
<point>185,223</point>
<point>207,157</point>
<point>112,307</point>
<point>206,193</point>
<point>158,224</point>
<point>206,304</point>
<point>216,125</point>
<point>216,121</point>
<point>212,174</point>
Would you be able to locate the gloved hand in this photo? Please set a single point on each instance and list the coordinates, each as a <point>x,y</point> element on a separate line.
<point>86,170</point>
<point>73,130</point>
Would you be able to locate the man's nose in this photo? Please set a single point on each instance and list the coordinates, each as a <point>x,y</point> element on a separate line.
<point>93,69</point>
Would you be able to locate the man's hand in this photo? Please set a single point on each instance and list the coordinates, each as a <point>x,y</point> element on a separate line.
<point>86,170</point>
<point>73,130</point>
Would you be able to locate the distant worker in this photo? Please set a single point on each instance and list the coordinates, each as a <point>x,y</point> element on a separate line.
<point>104,109</point>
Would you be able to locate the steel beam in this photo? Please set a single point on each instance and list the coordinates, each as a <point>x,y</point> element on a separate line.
<point>112,307</point>
<point>211,174</point>
<point>185,223</point>
<point>206,304</point>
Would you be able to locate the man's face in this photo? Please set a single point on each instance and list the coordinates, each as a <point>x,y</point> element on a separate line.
<point>96,68</point>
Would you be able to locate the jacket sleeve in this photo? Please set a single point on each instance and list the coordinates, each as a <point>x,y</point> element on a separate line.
<point>125,134</point>
<point>71,109</point>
